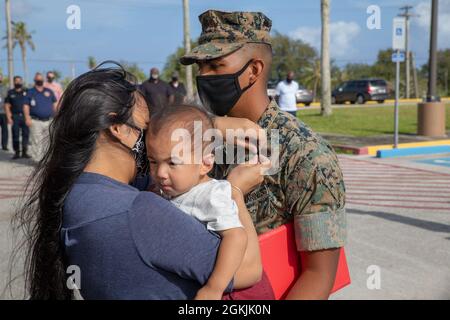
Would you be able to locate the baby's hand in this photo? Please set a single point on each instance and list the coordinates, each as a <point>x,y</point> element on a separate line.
<point>208,293</point>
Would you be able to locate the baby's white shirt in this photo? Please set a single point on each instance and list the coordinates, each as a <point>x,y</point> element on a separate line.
<point>211,203</point>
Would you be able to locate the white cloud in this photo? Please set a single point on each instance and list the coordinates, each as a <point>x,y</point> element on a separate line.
<point>342,35</point>
<point>21,9</point>
<point>423,9</point>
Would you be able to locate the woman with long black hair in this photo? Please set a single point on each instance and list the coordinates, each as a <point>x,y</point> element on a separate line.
<point>82,211</point>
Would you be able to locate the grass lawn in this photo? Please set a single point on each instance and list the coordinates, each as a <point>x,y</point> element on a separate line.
<point>365,121</point>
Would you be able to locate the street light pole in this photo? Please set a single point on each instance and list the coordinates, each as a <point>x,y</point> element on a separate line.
<point>433,54</point>
<point>187,49</point>
<point>407,15</point>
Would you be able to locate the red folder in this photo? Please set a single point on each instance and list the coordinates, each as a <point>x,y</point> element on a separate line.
<point>282,261</point>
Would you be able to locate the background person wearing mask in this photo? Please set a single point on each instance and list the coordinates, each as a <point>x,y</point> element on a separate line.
<point>18,115</point>
<point>53,85</point>
<point>285,92</point>
<point>42,102</point>
<point>3,119</point>
<point>178,89</point>
<point>157,92</point>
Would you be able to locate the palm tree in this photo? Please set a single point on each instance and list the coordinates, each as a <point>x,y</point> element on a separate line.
<point>22,37</point>
<point>325,102</point>
<point>313,75</point>
<point>92,63</point>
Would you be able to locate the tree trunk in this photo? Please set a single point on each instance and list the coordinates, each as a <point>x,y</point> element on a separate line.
<point>325,102</point>
<point>24,63</point>
<point>315,89</point>
<point>9,43</point>
<point>187,48</point>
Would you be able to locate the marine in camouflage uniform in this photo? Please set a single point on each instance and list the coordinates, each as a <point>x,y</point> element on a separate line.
<point>309,188</point>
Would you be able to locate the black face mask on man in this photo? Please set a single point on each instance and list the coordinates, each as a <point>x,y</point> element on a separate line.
<point>221,92</point>
<point>139,152</point>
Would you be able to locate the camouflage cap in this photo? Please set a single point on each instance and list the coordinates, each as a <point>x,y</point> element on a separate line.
<point>226,32</point>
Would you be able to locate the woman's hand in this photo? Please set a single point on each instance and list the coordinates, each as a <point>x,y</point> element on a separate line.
<point>248,176</point>
<point>254,136</point>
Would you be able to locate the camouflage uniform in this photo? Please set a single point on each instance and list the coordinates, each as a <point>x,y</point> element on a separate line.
<point>309,188</point>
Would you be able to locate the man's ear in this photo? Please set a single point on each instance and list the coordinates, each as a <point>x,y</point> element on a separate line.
<point>257,68</point>
<point>207,164</point>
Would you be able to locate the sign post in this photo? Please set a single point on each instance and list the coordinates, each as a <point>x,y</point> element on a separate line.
<point>398,45</point>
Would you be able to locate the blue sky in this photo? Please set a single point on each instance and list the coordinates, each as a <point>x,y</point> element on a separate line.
<point>147,31</point>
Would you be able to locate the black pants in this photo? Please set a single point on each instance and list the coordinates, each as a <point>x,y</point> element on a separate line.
<point>19,125</point>
<point>4,128</point>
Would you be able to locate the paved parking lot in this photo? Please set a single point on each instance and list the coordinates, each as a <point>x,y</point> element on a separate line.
<point>398,216</point>
<point>399,222</point>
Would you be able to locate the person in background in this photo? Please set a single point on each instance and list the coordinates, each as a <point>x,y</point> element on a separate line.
<point>285,92</point>
<point>18,115</point>
<point>3,119</point>
<point>157,92</point>
<point>42,102</point>
<point>178,89</point>
<point>53,85</point>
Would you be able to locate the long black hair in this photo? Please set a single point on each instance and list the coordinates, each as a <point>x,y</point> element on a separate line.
<point>91,104</point>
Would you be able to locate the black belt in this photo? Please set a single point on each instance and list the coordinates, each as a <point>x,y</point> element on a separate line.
<point>40,119</point>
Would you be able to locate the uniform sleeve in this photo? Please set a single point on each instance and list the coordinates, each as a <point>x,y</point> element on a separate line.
<point>315,194</point>
<point>168,239</point>
<point>27,99</point>
<point>8,98</point>
<point>218,209</point>
<point>53,96</point>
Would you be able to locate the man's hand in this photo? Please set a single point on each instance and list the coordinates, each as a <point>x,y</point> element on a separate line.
<point>248,176</point>
<point>10,121</point>
<point>253,133</point>
<point>28,122</point>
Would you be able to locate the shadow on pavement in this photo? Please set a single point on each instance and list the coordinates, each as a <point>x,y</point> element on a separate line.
<point>6,156</point>
<point>419,223</point>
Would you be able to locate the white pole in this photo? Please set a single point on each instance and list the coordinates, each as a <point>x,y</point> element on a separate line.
<point>397,88</point>
<point>187,48</point>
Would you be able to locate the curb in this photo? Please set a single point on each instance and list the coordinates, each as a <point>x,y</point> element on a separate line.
<point>301,106</point>
<point>374,150</point>
<point>352,150</point>
<point>412,151</point>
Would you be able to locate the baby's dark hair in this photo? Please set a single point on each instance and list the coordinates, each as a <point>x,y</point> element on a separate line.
<point>184,116</point>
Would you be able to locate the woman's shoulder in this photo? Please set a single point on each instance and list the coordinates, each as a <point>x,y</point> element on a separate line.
<point>94,197</point>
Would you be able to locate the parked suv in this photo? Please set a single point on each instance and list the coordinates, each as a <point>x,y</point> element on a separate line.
<point>360,91</point>
<point>302,95</point>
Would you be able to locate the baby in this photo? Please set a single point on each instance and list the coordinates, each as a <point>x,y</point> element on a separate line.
<point>186,183</point>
